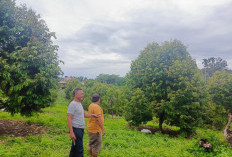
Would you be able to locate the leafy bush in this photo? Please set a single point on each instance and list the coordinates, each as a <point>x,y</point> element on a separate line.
<point>217,141</point>
<point>138,110</point>
<point>70,86</point>
<point>215,116</point>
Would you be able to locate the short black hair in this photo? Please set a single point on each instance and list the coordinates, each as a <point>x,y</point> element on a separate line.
<point>95,97</point>
<point>76,90</point>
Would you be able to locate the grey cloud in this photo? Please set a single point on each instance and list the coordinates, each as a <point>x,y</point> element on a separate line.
<point>94,69</point>
<point>211,36</point>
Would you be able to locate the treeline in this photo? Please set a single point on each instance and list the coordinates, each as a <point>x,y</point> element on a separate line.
<point>112,97</point>
<point>165,82</point>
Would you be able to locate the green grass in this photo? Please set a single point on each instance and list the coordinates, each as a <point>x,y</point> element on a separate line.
<point>119,141</point>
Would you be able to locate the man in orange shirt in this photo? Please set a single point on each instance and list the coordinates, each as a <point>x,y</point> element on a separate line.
<point>95,126</point>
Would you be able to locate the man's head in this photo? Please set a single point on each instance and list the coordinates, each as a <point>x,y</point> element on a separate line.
<point>78,94</point>
<point>96,98</point>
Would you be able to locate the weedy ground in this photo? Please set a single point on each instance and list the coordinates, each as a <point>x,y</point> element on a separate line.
<point>119,141</point>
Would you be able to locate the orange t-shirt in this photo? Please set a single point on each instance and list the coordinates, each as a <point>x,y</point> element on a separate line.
<point>92,125</point>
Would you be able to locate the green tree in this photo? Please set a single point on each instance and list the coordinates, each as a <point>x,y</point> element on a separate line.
<point>115,100</point>
<point>112,99</point>
<point>70,86</point>
<point>3,98</point>
<point>110,79</point>
<point>214,116</point>
<point>211,65</point>
<point>29,64</point>
<point>220,90</point>
<point>170,80</point>
<point>138,110</point>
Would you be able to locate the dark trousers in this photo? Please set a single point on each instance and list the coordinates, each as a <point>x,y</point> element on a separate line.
<point>77,150</point>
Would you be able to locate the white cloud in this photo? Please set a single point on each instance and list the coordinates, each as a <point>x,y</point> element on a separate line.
<point>229,62</point>
<point>103,36</point>
<point>82,59</point>
<point>66,17</point>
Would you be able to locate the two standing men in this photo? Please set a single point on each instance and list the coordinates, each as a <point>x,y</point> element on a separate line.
<point>76,125</point>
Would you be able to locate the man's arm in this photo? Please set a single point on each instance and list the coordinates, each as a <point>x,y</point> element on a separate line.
<point>99,122</point>
<point>86,115</point>
<point>69,121</point>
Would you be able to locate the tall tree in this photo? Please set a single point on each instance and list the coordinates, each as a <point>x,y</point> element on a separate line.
<point>169,78</point>
<point>211,65</point>
<point>29,63</point>
<point>220,90</point>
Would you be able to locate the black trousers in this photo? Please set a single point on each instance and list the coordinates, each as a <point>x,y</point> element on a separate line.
<point>77,150</point>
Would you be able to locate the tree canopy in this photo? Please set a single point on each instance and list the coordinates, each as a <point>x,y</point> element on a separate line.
<point>112,96</point>
<point>29,62</point>
<point>220,89</point>
<point>170,80</point>
<point>110,79</point>
<point>211,65</point>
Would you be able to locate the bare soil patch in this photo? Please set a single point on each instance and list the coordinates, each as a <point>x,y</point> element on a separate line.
<point>19,128</point>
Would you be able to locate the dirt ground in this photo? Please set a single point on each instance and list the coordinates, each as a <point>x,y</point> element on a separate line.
<point>19,128</point>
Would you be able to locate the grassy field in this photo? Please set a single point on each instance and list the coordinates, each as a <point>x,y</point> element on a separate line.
<point>119,141</point>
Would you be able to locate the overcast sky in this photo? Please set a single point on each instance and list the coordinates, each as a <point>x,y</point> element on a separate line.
<point>104,36</point>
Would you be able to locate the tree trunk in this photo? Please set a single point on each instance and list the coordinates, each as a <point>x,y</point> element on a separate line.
<point>161,120</point>
<point>226,131</point>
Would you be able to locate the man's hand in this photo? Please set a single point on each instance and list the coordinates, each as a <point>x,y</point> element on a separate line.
<point>103,132</point>
<point>72,136</point>
<point>95,115</point>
